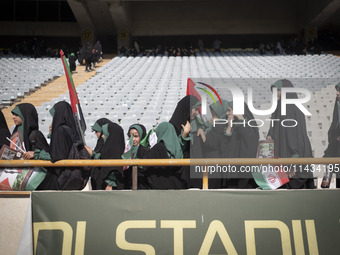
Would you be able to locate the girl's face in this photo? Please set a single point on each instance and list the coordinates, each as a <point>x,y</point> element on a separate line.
<point>278,95</point>
<point>338,94</point>
<point>17,120</point>
<point>194,112</point>
<point>230,112</point>
<point>213,114</point>
<point>98,134</point>
<point>136,138</point>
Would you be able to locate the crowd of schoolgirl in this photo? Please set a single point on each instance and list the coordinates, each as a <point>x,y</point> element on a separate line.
<point>186,135</point>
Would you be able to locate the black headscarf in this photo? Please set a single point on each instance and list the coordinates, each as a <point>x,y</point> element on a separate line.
<point>4,132</point>
<point>182,112</point>
<point>112,147</point>
<point>63,116</point>
<point>98,46</point>
<point>61,141</point>
<point>29,116</point>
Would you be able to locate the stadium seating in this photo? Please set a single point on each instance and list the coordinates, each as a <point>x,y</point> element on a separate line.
<point>22,75</point>
<point>146,89</point>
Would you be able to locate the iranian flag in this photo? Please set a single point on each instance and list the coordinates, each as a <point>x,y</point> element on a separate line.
<point>270,177</point>
<point>128,153</point>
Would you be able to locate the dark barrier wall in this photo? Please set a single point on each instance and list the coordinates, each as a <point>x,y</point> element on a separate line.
<point>187,222</point>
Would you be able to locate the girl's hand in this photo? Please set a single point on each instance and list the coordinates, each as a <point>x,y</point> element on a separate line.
<point>200,132</point>
<point>108,187</point>
<point>186,129</point>
<point>29,155</point>
<point>88,149</point>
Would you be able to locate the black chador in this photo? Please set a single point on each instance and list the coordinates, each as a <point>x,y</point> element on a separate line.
<point>33,139</point>
<point>291,142</point>
<point>243,142</point>
<point>167,147</point>
<point>110,145</point>
<point>63,133</point>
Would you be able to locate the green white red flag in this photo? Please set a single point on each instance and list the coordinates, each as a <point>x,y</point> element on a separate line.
<point>76,108</point>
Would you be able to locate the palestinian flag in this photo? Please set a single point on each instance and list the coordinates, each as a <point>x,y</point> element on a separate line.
<point>191,89</point>
<point>76,109</point>
<point>21,179</point>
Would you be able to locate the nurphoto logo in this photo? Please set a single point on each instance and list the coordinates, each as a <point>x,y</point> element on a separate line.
<point>239,100</point>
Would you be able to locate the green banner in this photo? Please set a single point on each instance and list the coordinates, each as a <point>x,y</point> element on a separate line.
<point>187,222</point>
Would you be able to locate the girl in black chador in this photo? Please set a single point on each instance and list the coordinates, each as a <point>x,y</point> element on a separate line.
<point>185,112</point>
<point>72,61</point>
<point>25,118</point>
<point>172,142</point>
<point>110,145</point>
<point>333,149</point>
<point>291,142</point>
<point>63,133</point>
<point>243,142</point>
<point>136,134</point>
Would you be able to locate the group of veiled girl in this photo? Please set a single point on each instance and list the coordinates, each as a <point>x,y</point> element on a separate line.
<point>185,135</point>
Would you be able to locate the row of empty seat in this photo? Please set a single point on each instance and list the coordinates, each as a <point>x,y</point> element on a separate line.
<point>22,75</point>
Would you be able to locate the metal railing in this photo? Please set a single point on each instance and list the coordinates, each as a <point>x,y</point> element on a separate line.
<point>168,162</point>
